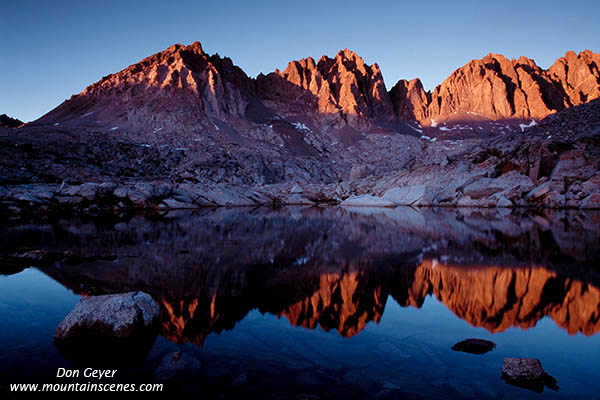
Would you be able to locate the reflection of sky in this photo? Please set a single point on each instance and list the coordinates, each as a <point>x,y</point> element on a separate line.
<point>55,49</point>
<point>409,348</point>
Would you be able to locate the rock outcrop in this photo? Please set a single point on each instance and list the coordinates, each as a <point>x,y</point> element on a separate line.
<point>474,346</point>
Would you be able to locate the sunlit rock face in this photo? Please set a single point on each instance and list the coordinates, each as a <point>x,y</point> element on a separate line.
<point>579,75</point>
<point>494,87</point>
<point>497,88</point>
<point>183,90</point>
<point>343,90</point>
<point>410,101</point>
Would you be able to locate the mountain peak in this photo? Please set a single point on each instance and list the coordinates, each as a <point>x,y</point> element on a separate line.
<point>344,90</point>
<point>164,90</point>
<point>347,53</point>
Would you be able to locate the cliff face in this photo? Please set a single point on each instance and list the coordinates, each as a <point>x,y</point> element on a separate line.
<point>410,100</point>
<point>343,89</point>
<point>579,76</point>
<point>497,88</point>
<point>493,87</point>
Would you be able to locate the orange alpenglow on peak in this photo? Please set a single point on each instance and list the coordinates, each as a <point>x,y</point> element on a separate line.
<point>186,88</point>
<point>497,88</point>
<point>345,90</point>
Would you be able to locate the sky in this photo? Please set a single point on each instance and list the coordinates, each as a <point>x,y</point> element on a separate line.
<point>50,50</point>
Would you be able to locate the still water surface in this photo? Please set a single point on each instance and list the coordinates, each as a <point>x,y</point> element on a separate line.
<point>321,303</point>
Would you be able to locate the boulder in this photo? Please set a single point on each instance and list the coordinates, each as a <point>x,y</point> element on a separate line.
<point>484,187</point>
<point>120,192</point>
<point>510,185</point>
<point>88,190</point>
<point>296,189</point>
<point>589,186</point>
<point>367,200</point>
<point>409,195</point>
<point>116,328</point>
<point>474,346</point>
<point>592,201</point>
<point>539,191</point>
<point>297,199</point>
<point>360,171</point>
<point>504,202</point>
<point>176,205</point>
<point>527,373</point>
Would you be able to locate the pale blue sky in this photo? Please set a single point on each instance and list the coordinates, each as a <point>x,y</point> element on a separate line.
<point>50,50</point>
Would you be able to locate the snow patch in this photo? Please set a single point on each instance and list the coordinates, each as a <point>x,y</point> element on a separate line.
<point>433,123</point>
<point>145,145</point>
<point>301,127</point>
<point>157,130</point>
<point>415,129</point>
<point>216,127</point>
<point>56,124</point>
<point>85,115</point>
<point>524,126</point>
<point>114,128</point>
<point>549,137</point>
<point>302,260</point>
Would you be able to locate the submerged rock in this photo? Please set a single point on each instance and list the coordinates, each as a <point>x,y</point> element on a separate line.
<point>527,373</point>
<point>112,328</point>
<point>474,346</point>
<point>176,364</point>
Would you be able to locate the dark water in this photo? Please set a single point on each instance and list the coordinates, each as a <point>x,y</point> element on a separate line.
<point>322,303</point>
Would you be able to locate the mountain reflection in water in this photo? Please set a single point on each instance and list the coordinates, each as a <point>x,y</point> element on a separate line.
<point>335,268</point>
